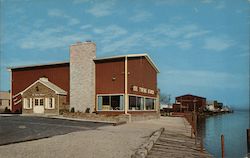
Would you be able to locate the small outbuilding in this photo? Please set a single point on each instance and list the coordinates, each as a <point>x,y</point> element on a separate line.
<point>43,97</point>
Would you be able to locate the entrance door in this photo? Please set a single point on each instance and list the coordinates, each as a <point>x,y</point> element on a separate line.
<point>39,106</point>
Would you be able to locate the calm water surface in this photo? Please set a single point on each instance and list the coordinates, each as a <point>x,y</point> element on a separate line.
<point>233,126</point>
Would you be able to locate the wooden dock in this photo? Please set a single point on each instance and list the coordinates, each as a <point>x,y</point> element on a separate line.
<point>176,145</point>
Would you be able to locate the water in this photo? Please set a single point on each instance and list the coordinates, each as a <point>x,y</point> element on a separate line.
<point>233,126</point>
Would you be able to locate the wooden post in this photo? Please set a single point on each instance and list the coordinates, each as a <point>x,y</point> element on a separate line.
<point>222,146</point>
<point>195,123</point>
<point>248,141</point>
<point>201,143</point>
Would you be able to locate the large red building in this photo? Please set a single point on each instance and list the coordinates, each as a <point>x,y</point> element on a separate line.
<point>123,84</point>
<point>138,86</point>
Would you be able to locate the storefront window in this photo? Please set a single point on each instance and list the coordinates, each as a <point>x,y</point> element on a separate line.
<point>113,102</point>
<point>105,100</point>
<point>136,103</point>
<point>132,103</point>
<point>150,104</point>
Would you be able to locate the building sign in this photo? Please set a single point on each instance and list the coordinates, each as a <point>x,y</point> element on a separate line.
<point>143,90</point>
<point>38,95</point>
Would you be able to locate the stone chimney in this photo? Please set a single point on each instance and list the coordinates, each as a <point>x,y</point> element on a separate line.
<point>82,76</point>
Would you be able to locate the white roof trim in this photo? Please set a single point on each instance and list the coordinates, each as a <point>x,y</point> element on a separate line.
<point>62,93</point>
<point>131,55</point>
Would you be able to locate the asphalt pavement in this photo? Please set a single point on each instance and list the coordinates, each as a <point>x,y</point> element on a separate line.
<point>15,129</point>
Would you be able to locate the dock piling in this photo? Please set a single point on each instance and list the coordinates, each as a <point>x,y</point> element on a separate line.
<point>248,141</point>
<point>222,146</point>
<point>201,143</point>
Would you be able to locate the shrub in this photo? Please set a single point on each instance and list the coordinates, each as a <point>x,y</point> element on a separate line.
<point>87,110</point>
<point>72,109</point>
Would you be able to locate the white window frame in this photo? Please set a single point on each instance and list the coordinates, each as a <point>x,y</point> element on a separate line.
<point>26,103</point>
<point>48,101</point>
<point>144,98</point>
<point>109,95</point>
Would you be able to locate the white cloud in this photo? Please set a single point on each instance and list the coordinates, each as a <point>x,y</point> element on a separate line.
<point>83,27</point>
<point>61,14</point>
<point>73,21</point>
<point>220,5</point>
<point>169,2</point>
<point>80,1</point>
<point>102,8</point>
<point>184,44</point>
<point>50,38</point>
<point>196,10</point>
<point>207,1</point>
<point>172,31</point>
<point>218,43</point>
<point>196,33</point>
<point>178,36</point>
<point>141,16</point>
<point>55,13</point>
<point>124,45</point>
<point>115,38</point>
<point>112,30</point>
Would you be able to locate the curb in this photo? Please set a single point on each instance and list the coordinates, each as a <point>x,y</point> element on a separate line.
<point>9,115</point>
<point>79,119</point>
<point>119,123</point>
<point>143,151</point>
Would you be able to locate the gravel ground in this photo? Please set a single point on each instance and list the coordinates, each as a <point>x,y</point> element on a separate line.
<point>104,142</point>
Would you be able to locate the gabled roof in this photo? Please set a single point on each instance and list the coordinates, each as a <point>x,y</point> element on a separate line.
<point>130,56</point>
<point>48,84</point>
<point>36,65</point>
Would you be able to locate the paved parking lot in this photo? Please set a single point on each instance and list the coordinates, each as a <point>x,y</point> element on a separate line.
<point>14,129</point>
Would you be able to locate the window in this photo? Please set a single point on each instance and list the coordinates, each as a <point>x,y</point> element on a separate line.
<point>132,103</point>
<point>150,104</point>
<point>26,103</point>
<point>36,102</point>
<point>105,100</point>
<point>50,103</point>
<point>136,103</point>
<point>113,102</point>
<point>41,102</point>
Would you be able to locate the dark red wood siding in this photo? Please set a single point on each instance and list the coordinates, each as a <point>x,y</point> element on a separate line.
<point>141,74</point>
<point>110,76</point>
<point>189,101</point>
<point>23,77</point>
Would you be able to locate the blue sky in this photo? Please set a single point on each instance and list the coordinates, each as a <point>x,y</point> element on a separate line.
<point>200,46</point>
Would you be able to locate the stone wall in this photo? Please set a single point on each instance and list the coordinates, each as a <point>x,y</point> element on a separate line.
<point>82,76</point>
